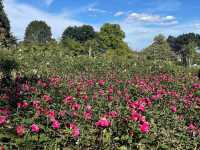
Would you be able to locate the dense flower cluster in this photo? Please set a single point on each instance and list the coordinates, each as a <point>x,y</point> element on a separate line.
<point>57,105</point>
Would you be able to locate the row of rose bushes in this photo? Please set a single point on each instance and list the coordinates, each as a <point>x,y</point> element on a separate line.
<point>149,112</point>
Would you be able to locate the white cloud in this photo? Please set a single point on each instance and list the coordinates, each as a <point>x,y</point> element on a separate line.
<point>92,9</point>
<point>21,14</point>
<point>119,13</point>
<point>149,18</point>
<point>169,18</point>
<point>143,17</point>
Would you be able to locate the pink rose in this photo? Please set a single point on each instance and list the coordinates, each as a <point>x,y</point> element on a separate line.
<point>156,97</point>
<point>47,98</point>
<point>101,92</point>
<point>76,106</point>
<point>110,97</point>
<point>103,122</point>
<point>2,119</point>
<point>36,104</point>
<point>110,90</point>
<point>135,116</point>
<point>144,128</point>
<point>173,109</point>
<point>68,100</point>
<point>88,108</point>
<point>87,115</point>
<point>192,127</point>
<point>75,130</point>
<point>141,108</point>
<point>85,97</point>
<point>35,128</point>
<point>52,115</point>
<point>62,113</point>
<point>24,104</point>
<point>101,82</point>
<point>56,124</point>
<point>20,129</point>
<point>113,114</point>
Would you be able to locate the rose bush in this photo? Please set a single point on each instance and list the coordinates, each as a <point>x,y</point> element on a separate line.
<point>140,112</point>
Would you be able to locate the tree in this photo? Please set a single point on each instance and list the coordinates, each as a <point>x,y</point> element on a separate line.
<point>6,38</point>
<point>4,22</point>
<point>80,34</point>
<point>38,31</point>
<point>189,53</point>
<point>159,49</point>
<point>111,36</point>
<point>93,47</point>
<point>159,39</point>
<point>184,46</point>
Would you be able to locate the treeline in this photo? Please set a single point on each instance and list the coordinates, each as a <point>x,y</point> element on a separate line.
<point>183,49</point>
<point>80,40</point>
<point>109,41</point>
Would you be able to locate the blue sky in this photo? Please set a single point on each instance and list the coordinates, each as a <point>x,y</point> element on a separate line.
<point>141,20</point>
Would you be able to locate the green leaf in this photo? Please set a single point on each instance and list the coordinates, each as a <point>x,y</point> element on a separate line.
<point>123,148</point>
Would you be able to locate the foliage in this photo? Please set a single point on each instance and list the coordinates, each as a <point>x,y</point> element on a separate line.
<point>80,34</point>
<point>7,62</point>
<point>38,31</point>
<point>4,23</point>
<point>111,36</point>
<point>7,40</point>
<point>185,46</point>
<point>74,48</point>
<point>159,50</point>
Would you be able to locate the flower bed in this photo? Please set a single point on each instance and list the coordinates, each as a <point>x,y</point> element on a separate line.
<point>110,113</point>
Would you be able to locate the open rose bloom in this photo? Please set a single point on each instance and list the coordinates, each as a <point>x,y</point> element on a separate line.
<point>35,128</point>
<point>103,122</point>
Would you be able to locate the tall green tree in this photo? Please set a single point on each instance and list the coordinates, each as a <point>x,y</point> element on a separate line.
<point>112,41</point>
<point>80,34</point>
<point>4,22</point>
<point>111,36</point>
<point>159,49</point>
<point>38,31</point>
<point>5,36</point>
